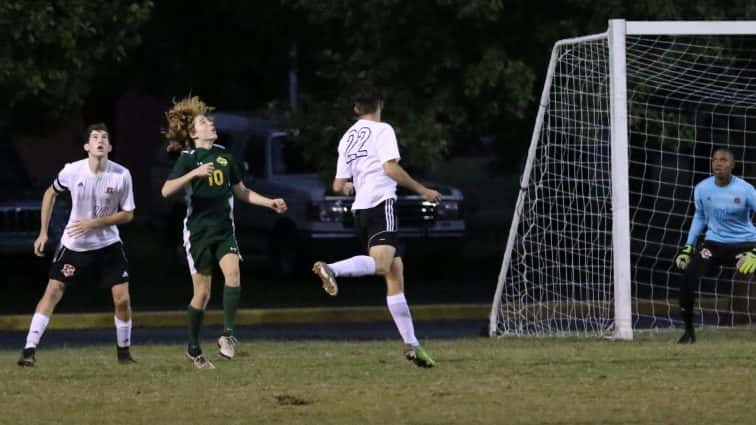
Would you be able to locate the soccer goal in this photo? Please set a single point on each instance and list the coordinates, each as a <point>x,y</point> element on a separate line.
<point>625,129</point>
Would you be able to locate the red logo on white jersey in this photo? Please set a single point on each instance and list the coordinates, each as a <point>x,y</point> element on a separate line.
<point>68,270</point>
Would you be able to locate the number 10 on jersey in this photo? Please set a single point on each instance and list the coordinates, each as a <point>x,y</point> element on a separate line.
<point>215,179</point>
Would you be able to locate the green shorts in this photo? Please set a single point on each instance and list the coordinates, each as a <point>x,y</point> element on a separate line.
<point>206,247</point>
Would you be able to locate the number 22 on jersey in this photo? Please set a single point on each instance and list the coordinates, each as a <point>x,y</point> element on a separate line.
<point>356,140</point>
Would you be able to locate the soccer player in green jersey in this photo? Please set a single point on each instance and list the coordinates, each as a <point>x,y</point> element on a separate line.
<point>210,177</point>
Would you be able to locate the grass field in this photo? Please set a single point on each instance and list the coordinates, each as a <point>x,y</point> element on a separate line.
<point>478,381</point>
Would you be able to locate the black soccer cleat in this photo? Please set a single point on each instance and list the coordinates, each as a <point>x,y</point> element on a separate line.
<point>689,337</point>
<point>124,356</point>
<point>27,358</point>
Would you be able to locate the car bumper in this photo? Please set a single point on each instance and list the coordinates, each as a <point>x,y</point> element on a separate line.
<point>17,243</point>
<point>22,243</point>
<point>451,229</point>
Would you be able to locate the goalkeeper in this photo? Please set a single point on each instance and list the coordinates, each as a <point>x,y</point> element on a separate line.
<point>724,206</point>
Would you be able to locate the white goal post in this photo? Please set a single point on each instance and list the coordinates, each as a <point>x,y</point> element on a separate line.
<point>625,126</point>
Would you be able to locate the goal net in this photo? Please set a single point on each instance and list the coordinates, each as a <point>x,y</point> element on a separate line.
<point>626,127</point>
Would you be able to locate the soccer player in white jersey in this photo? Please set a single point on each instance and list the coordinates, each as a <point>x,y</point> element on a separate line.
<point>369,155</point>
<point>724,206</point>
<point>101,197</point>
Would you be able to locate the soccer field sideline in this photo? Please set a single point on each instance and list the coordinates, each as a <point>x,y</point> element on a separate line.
<point>303,315</point>
<point>251,317</point>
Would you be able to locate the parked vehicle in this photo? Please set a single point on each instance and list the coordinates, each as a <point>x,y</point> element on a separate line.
<point>317,220</point>
<point>20,207</point>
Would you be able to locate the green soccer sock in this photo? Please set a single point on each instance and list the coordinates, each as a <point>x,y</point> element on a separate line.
<point>195,323</point>
<point>231,296</point>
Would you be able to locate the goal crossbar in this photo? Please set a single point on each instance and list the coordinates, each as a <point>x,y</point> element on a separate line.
<point>689,27</point>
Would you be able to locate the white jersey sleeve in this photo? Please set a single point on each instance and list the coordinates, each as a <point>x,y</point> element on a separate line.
<point>342,168</point>
<point>127,193</point>
<point>65,179</point>
<point>386,145</point>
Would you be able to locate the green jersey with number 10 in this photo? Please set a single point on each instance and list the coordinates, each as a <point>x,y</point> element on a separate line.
<point>209,200</point>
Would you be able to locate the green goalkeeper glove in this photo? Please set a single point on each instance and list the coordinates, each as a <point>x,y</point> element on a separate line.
<point>683,258</point>
<point>747,262</point>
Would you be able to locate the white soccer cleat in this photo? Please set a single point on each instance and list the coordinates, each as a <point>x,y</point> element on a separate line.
<point>227,346</point>
<point>326,275</point>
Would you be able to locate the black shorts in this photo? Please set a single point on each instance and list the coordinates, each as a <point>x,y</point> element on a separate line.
<point>107,266</point>
<point>722,254</point>
<point>377,226</point>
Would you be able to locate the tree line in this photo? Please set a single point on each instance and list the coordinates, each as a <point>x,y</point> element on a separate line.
<point>455,71</point>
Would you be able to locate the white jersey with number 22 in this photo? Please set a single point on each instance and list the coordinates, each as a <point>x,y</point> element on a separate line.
<point>363,150</point>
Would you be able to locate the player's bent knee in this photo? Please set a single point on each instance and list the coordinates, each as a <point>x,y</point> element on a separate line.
<point>201,297</point>
<point>382,264</point>
<point>382,268</point>
<point>232,279</point>
<point>383,255</point>
<point>397,266</point>
<point>122,302</point>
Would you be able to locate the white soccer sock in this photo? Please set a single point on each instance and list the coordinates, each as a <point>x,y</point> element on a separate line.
<point>123,332</point>
<point>400,311</point>
<point>36,330</point>
<point>359,265</point>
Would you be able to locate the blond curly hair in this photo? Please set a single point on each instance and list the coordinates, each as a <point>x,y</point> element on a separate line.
<point>181,122</point>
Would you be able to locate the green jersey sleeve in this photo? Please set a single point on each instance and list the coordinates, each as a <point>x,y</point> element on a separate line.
<point>182,166</point>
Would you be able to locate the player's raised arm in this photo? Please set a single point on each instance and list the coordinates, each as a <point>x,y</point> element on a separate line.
<point>402,178</point>
<point>249,196</point>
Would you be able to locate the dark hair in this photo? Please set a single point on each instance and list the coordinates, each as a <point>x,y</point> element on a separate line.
<point>724,150</point>
<point>366,98</point>
<point>99,126</point>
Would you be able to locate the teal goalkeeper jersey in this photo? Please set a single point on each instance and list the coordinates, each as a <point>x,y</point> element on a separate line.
<point>725,211</point>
